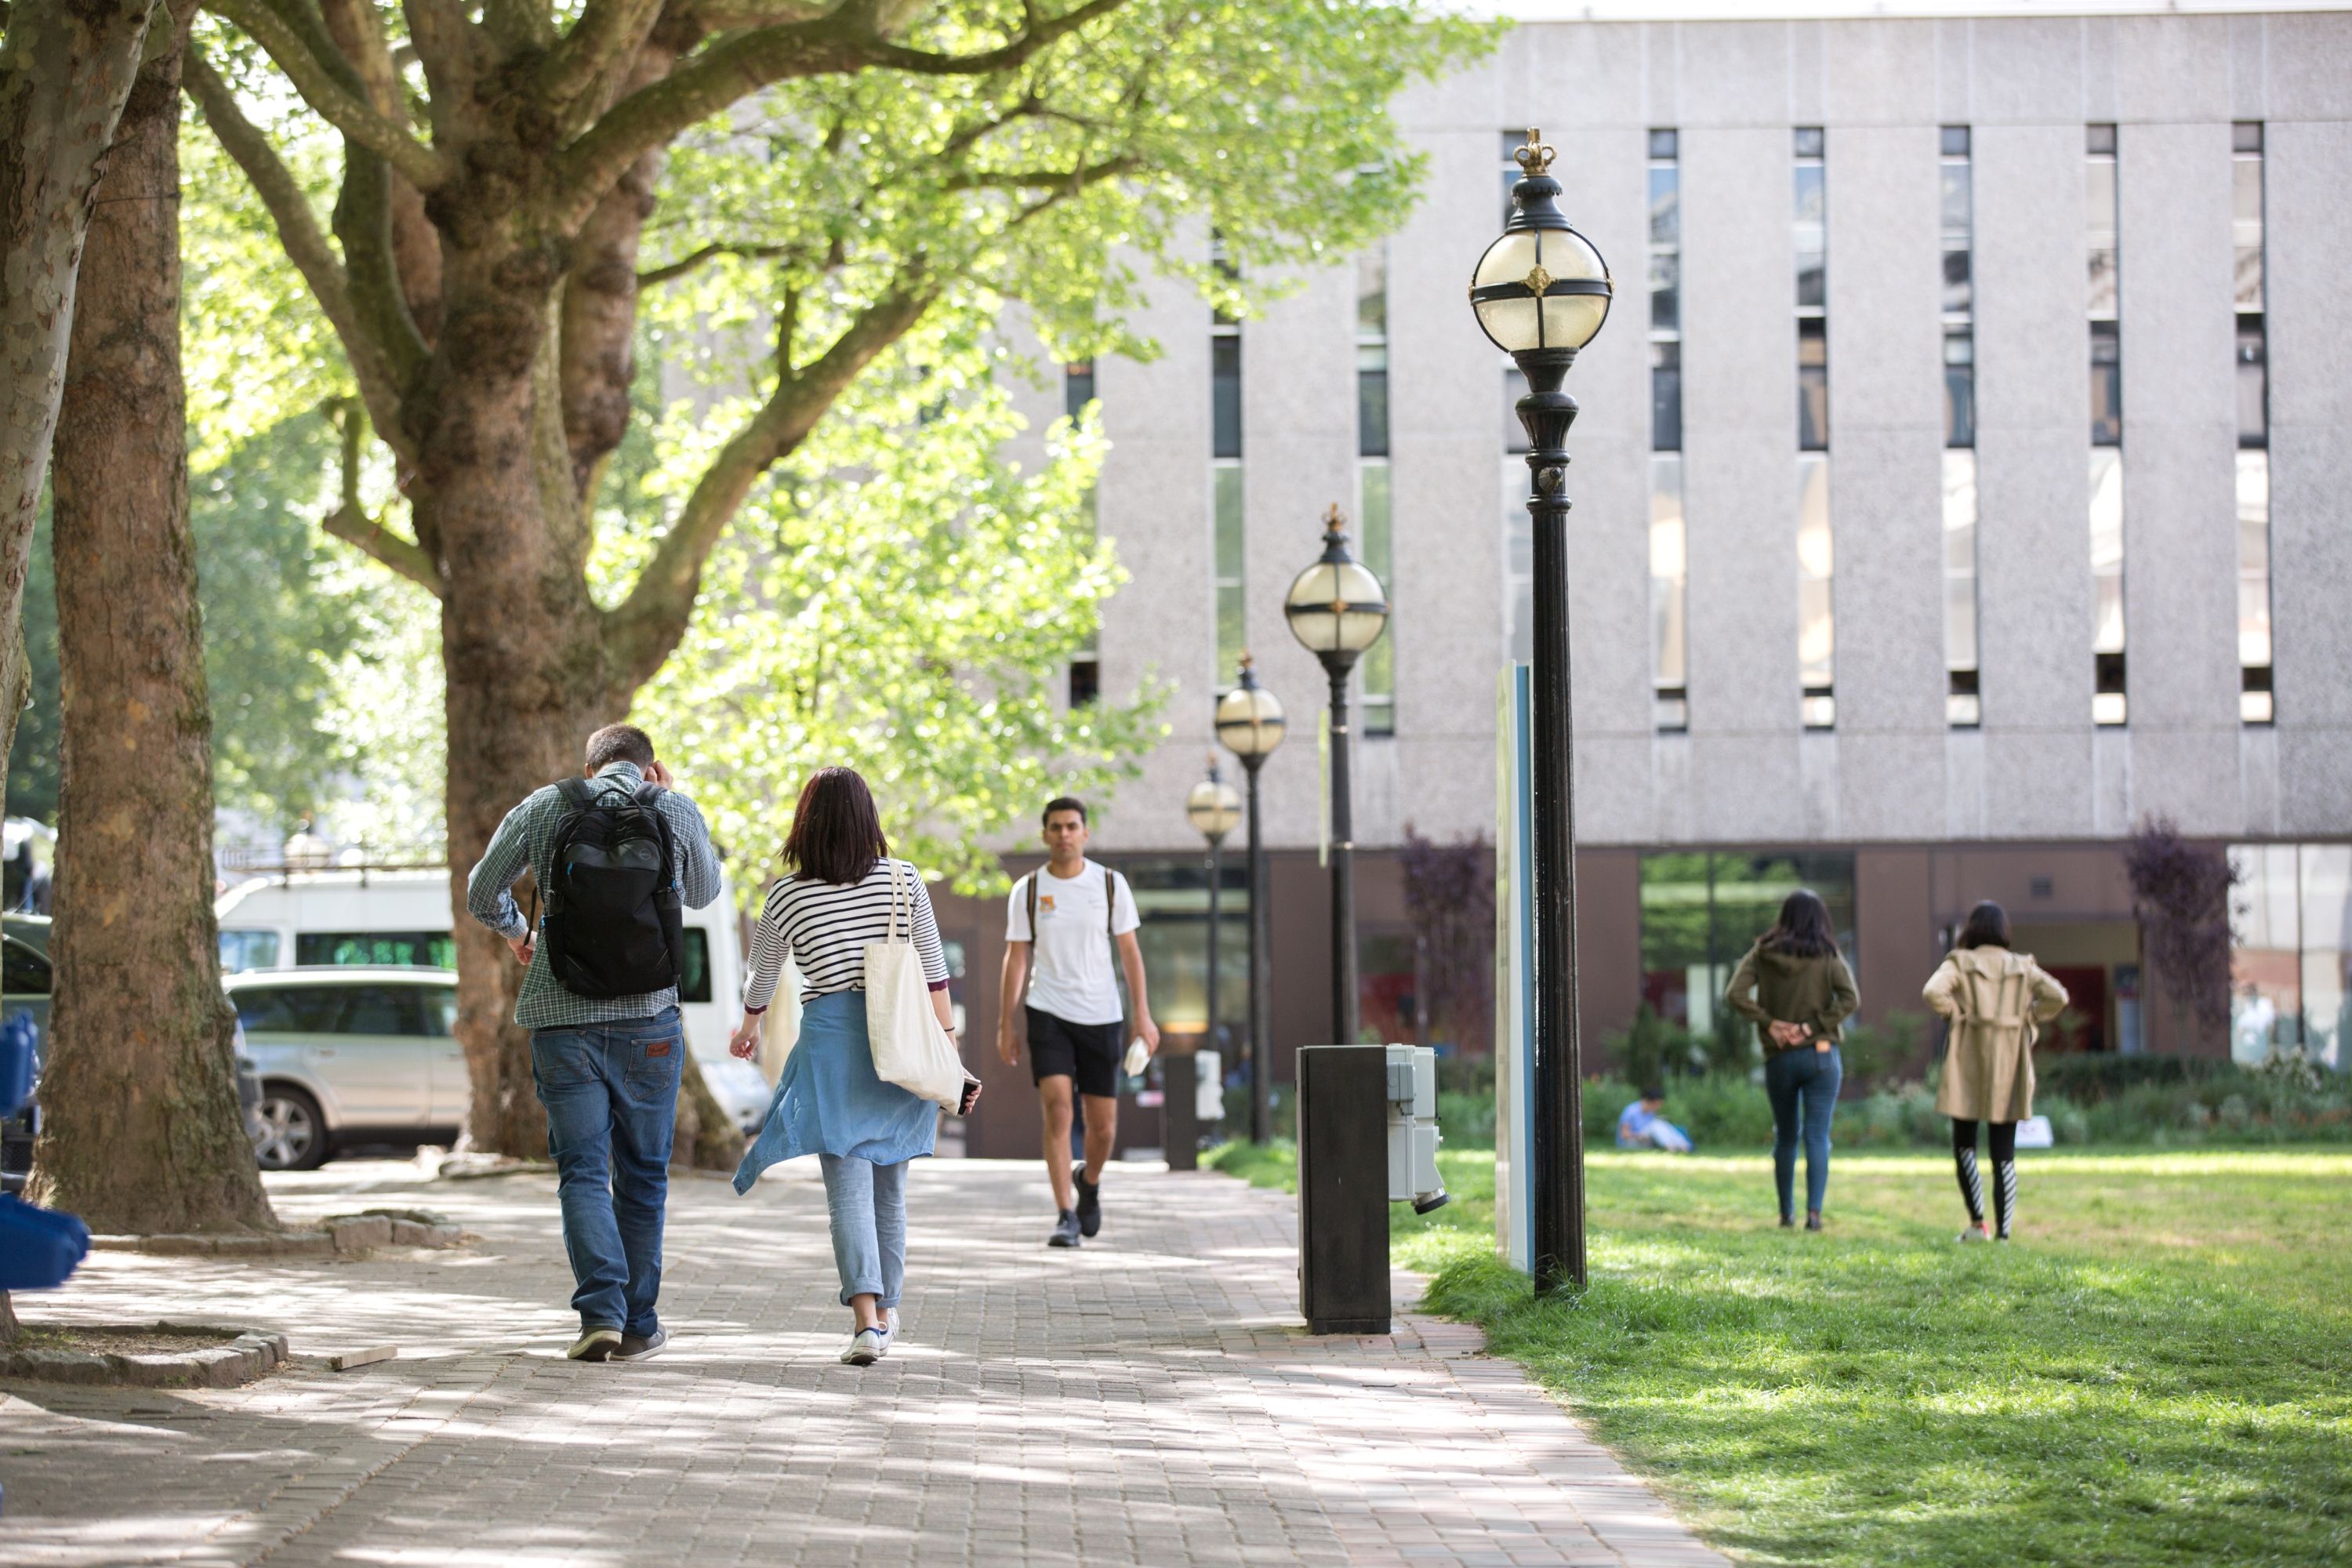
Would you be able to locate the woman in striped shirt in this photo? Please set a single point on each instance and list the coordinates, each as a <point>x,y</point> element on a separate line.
<point>838,895</point>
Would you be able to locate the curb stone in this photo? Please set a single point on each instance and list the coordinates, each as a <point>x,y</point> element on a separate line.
<point>347,1235</point>
<point>246,1356</point>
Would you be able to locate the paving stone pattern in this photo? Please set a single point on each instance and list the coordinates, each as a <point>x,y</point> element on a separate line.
<point>1150,1399</point>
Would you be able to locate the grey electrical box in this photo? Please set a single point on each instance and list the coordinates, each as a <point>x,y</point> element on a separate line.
<point>1413,1131</point>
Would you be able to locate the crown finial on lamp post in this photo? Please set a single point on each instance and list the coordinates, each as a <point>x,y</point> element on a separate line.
<point>1536,157</point>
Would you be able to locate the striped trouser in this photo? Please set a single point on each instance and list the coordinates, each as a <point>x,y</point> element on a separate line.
<point>2003,1138</point>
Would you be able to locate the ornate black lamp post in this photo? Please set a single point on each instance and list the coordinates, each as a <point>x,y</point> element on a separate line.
<point>1540,293</point>
<point>1250,723</point>
<point>1338,610</point>
<point>1213,808</point>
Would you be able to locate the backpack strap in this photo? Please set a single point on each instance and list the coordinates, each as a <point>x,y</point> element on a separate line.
<point>575,793</point>
<point>646,797</point>
<point>1032,880</point>
<point>1110,903</point>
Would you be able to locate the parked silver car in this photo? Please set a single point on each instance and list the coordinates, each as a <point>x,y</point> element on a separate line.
<point>25,980</point>
<point>350,1055</point>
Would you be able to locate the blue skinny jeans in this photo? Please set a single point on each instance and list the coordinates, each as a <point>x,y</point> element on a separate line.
<point>611,1093</point>
<point>1802,1086</point>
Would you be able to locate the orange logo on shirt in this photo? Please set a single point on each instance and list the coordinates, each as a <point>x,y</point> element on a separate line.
<point>1045,900</point>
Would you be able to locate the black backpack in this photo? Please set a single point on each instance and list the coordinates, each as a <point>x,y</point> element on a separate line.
<point>614,923</point>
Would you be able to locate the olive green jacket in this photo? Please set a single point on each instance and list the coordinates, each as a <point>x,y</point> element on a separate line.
<point>1818,992</point>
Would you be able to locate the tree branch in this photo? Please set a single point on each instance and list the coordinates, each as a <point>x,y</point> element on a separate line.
<point>341,103</point>
<point>1039,179</point>
<point>1035,35</point>
<point>363,224</point>
<point>593,55</point>
<point>444,40</point>
<point>647,624</point>
<point>411,246</point>
<point>734,68</point>
<point>305,245</point>
<point>350,523</point>
<point>670,272</point>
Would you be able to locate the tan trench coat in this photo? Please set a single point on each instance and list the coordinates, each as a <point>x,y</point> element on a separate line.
<point>1996,1001</point>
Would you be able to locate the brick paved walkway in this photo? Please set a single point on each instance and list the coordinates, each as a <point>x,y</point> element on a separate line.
<point>1150,1399</point>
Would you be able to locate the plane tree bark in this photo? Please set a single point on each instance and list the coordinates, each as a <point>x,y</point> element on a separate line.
<point>141,1129</point>
<point>481,271</point>
<point>65,72</point>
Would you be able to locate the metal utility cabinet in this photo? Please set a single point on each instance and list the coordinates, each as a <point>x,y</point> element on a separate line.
<point>1367,1135</point>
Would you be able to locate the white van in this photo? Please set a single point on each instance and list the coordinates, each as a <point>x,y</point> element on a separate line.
<point>357,916</point>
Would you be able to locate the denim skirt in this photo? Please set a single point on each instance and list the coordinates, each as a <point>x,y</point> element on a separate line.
<point>830,1100</point>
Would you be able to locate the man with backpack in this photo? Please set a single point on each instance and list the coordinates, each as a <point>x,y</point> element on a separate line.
<point>612,855</point>
<point>1061,925</point>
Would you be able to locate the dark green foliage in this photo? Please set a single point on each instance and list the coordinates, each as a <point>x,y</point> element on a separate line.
<point>275,624</point>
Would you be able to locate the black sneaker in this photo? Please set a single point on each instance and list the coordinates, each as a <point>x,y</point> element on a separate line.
<point>642,1347</point>
<point>1089,1206</point>
<point>1066,1230</point>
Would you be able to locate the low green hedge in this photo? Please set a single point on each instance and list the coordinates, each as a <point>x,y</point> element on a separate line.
<point>2202,1101</point>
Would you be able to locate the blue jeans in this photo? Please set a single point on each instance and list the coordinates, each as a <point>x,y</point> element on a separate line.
<point>867,1204</point>
<point>611,1093</point>
<point>1802,1084</point>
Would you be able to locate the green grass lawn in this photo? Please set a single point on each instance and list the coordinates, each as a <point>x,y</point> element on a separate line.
<point>2157,1370</point>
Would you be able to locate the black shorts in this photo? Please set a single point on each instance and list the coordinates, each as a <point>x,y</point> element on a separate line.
<point>1087,1052</point>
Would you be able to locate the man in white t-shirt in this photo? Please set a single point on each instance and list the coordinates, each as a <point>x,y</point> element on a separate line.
<point>1061,924</point>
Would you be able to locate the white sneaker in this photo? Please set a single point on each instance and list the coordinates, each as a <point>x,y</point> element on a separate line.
<point>864,1348</point>
<point>889,1329</point>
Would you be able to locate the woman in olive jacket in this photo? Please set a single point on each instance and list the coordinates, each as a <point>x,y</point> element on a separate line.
<point>1799,993</point>
<point>1997,1002</point>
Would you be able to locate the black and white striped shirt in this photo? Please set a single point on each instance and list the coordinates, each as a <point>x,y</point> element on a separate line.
<point>824,927</point>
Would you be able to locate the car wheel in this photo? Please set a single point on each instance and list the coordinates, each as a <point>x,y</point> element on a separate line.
<point>288,1132</point>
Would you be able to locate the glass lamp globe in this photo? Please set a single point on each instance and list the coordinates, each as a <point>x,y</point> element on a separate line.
<point>1541,285</point>
<point>1249,717</point>
<point>1213,806</point>
<point>1336,608</point>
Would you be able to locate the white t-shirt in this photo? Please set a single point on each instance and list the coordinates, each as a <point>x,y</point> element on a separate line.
<point>1070,972</point>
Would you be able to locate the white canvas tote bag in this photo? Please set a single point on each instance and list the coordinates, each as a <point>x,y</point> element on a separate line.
<point>910,1048</point>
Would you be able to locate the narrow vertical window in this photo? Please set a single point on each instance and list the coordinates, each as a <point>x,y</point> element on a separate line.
<point>1372,512</point>
<point>2256,702</point>
<point>1518,528</point>
<point>1669,572</point>
<point>1963,701</point>
<point>1669,593</point>
<point>1816,565</point>
<point>1228,538</point>
<point>1816,624</point>
<point>1085,665</point>
<point>1232,623</point>
<point>2107,667</point>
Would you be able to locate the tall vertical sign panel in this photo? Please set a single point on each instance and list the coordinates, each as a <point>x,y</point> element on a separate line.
<point>1515,975</point>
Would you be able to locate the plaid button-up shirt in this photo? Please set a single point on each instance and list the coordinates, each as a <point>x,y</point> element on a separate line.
<point>527,839</point>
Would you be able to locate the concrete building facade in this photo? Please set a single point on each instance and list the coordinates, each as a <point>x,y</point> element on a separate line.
<point>1827,634</point>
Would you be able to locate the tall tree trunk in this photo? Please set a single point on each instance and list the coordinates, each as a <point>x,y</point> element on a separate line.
<point>65,71</point>
<point>528,675</point>
<point>141,1129</point>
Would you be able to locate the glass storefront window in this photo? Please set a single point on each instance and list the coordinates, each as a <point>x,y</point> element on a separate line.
<point>1172,896</point>
<point>2291,951</point>
<point>1701,910</point>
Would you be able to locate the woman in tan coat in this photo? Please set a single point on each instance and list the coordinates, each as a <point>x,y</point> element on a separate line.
<point>1996,1001</point>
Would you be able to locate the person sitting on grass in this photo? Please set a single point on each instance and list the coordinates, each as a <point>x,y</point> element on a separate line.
<point>1643,1125</point>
